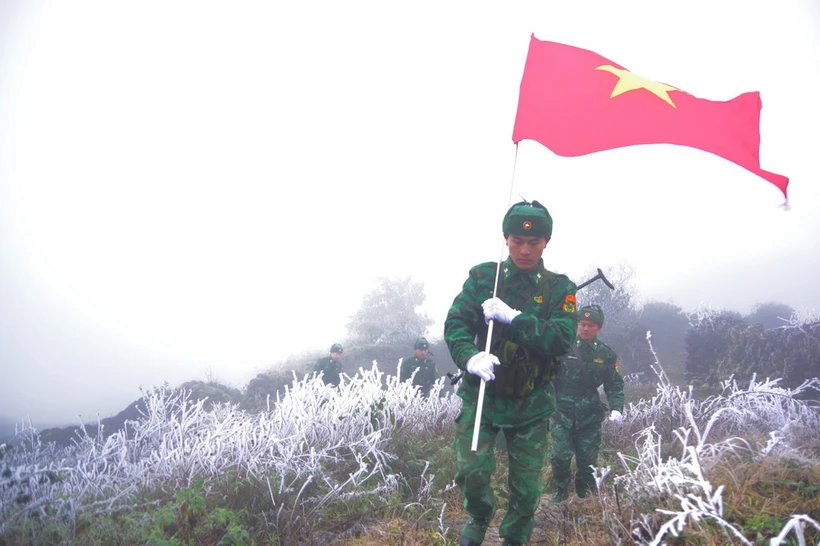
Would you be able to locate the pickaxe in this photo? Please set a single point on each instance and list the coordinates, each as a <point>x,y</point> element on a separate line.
<point>600,275</point>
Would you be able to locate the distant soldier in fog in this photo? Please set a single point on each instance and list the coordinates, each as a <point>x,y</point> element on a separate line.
<point>576,425</point>
<point>331,365</point>
<point>423,362</point>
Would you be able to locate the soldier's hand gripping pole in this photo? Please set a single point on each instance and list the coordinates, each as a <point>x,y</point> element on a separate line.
<point>481,389</point>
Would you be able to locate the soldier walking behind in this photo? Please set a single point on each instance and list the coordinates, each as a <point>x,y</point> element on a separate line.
<point>331,365</point>
<point>576,426</point>
<point>423,361</point>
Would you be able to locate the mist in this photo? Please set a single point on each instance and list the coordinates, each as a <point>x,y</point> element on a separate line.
<point>191,192</point>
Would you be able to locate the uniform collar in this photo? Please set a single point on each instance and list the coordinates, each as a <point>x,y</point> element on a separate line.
<point>510,270</point>
<point>592,343</point>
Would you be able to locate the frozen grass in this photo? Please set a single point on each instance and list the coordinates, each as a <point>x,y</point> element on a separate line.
<point>314,446</point>
<point>376,450</point>
<point>678,440</point>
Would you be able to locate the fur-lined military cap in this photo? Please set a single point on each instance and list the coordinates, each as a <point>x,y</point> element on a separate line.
<point>592,313</point>
<point>527,218</point>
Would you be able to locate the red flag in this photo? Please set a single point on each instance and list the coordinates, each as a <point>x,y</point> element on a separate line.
<point>575,102</point>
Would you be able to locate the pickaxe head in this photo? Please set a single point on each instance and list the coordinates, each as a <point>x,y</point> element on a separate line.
<point>454,378</point>
<point>601,276</point>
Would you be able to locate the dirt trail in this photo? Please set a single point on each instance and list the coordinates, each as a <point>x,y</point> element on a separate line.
<point>548,519</point>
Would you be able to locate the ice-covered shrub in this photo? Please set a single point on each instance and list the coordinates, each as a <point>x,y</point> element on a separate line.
<point>678,440</point>
<point>314,445</point>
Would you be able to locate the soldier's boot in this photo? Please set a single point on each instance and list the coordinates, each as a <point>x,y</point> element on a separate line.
<point>473,532</point>
<point>561,494</point>
<point>585,484</point>
<point>561,477</point>
<point>510,543</point>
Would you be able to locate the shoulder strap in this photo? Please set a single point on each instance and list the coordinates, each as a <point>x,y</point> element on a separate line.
<point>584,367</point>
<point>522,298</point>
<point>546,283</point>
<point>581,360</point>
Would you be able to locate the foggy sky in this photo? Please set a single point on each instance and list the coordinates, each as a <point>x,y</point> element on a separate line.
<point>186,191</point>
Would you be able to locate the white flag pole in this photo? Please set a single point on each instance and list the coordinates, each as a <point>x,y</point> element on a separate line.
<point>488,343</point>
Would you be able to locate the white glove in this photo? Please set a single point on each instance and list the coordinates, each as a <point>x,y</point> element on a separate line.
<point>482,364</point>
<point>616,417</point>
<point>495,309</point>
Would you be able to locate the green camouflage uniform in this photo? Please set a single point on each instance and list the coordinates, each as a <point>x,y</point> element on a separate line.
<point>332,369</point>
<point>576,426</point>
<point>546,328</point>
<point>426,375</point>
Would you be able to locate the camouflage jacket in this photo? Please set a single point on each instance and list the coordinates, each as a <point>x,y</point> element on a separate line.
<point>427,373</point>
<point>545,327</point>
<point>576,387</point>
<point>331,369</point>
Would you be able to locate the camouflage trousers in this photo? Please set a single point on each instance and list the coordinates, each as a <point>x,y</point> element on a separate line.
<point>568,439</point>
<point>526,449</point>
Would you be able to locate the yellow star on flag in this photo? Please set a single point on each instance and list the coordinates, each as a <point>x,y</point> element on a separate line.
<point>627,81</point>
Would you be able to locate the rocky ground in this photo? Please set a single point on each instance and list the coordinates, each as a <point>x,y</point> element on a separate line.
<point>549,520</point>
<point>553,525</point>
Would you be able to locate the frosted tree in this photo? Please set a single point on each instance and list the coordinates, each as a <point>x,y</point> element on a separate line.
<point>390,314</point>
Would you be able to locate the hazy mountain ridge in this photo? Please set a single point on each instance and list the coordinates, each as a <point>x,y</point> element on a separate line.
<point>254,395</point>
<point>7,425</point>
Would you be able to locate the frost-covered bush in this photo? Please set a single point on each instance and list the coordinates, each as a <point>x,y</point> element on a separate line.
<point>679,439</point>
<point>314,445</point>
